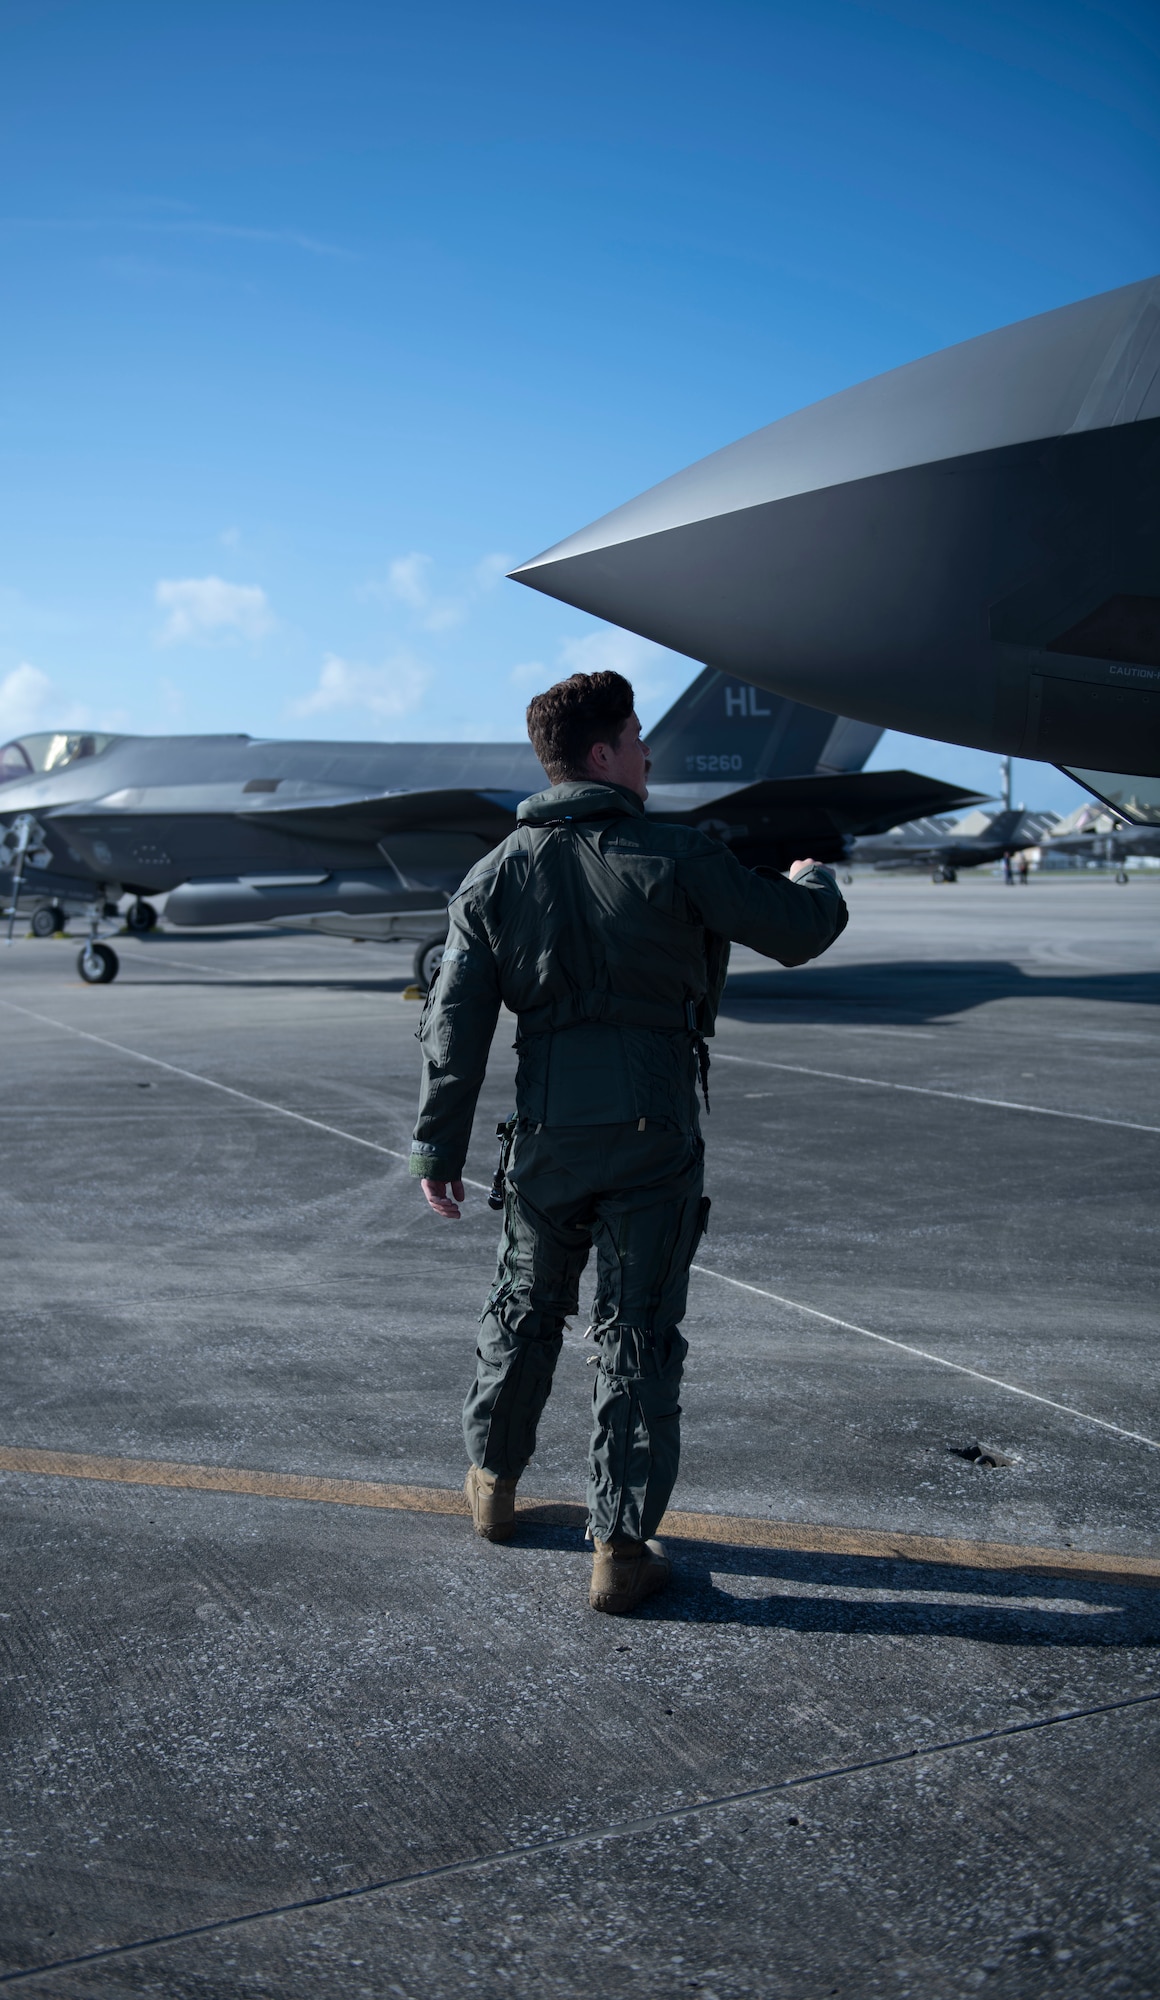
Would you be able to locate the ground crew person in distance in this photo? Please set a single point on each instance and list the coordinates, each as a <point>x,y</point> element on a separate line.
<point>607,934</point>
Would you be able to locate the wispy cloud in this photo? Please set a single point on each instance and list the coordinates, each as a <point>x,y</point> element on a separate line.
<point>29,700</point>
<point>532,675</point>
<point>410,581</point>
<point>387,692</point>
<point>290,239</point>
<point>207,608</point>
<point>489,570</point>
<point>655,673</point>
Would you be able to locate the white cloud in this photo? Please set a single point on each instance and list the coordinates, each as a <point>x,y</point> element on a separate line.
<point>25,700</point>
<point>489,570</point>
<point>410,581</point>
<point>207,608</point>
<point>386,692</point>
<point>30,700</point>
<point>609,651</point>
<point>531,674</point>
<point>656,674</point>
<point>407,579</point>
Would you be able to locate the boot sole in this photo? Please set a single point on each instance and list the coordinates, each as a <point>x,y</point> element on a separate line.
<point>503,1532</point>
<point>616,1604</point>
<point>499,1531</point>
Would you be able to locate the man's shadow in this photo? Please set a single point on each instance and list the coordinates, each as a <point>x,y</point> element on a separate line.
<point>793,1590</point>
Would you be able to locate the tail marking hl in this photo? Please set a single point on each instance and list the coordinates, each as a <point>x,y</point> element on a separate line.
<point>742,700</point>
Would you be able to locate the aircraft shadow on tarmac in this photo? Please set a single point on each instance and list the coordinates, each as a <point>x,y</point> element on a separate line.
<point>908,991</point>
<point>905,992</point>
<point>235,983</point>
<point>788,1590</point>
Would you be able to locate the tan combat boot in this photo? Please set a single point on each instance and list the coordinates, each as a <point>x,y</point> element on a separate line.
<point>493,1504</point>
<point>625,1573</point>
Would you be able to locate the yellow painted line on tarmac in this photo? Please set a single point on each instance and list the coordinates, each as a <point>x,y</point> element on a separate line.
<point>234,1479</point>
<point>732,1530</point>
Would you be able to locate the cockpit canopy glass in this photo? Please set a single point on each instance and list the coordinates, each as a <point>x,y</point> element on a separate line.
<point>48,750</point>
<point>1134,799</point>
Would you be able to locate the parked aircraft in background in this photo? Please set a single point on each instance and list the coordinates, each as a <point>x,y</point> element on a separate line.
<point>1093,834</point>
<point>368,840</point>
<point>945,846</point>
<point>967,548</point>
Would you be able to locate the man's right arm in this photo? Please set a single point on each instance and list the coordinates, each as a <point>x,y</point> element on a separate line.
<point>790,920</point>
<point>456,1034</point>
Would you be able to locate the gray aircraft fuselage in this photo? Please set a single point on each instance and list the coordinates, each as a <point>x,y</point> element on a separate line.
<point>1121,843</point>
<point>967,548</point>
<point>916,847</point>
<point>370,839</point>
<point>232,821</point>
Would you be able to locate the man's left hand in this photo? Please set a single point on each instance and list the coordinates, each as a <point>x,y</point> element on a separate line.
<point>442,1202</point>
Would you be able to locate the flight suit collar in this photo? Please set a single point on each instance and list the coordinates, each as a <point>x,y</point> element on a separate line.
<point>580,798</point>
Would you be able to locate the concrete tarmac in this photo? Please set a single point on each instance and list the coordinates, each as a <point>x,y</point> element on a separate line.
<point>893,1731</point>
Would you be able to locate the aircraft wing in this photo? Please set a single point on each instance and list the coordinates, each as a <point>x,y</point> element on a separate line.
<point>310,807</point>
<point>376,814</point>
<point>848,802</point>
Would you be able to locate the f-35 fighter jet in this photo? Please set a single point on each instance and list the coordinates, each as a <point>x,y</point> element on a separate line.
<point>967,548</point>
<point>944,849</point>
<point>369,840</point>
<point>1091,834</point>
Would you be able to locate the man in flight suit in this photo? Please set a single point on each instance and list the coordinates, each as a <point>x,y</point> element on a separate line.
<point>606,933</point>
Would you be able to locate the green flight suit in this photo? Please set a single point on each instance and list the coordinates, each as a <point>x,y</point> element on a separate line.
<point>606,933</point>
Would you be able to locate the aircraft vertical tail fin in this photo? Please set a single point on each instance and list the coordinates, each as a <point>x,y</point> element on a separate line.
<point>723,727</point>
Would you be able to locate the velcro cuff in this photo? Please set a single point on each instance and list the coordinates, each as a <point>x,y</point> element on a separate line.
<point>427,1163</point>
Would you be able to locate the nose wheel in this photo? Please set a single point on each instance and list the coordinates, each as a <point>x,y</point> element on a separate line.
<point>98,963</point>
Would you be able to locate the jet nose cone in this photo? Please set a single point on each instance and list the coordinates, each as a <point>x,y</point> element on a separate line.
<point>858,556</point>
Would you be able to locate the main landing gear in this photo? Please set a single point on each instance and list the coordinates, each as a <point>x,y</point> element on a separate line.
<point>47,921</point>
<point>428,959</point>
<point>140,917</point>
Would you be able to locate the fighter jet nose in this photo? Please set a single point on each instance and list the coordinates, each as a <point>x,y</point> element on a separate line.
<point>862,555</point>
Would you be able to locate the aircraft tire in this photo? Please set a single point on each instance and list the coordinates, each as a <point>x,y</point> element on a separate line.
<point>47,921</point>
<point>428,959</point>
<point>98,964</point>
<point>140,917</point>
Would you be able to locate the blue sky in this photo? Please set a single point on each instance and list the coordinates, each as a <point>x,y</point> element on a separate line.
<point>316,318</point>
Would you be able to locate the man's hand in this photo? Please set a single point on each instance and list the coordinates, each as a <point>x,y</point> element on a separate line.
<point>797,867</point>
<point>440,1201</point>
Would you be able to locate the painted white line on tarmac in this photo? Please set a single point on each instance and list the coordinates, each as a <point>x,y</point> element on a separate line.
<point>924,1354</point>
<point>372,1145</point>
<point>211,1083</point>
<point>928,1090</point>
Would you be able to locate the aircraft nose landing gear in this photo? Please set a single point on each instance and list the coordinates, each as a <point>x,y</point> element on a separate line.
<point>97,963</point>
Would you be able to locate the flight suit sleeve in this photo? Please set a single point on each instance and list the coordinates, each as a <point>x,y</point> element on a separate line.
<point>789,921</point>
<point>456,1033</point>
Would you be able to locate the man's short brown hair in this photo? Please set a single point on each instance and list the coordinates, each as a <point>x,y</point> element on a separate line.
<point>565,721</point>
